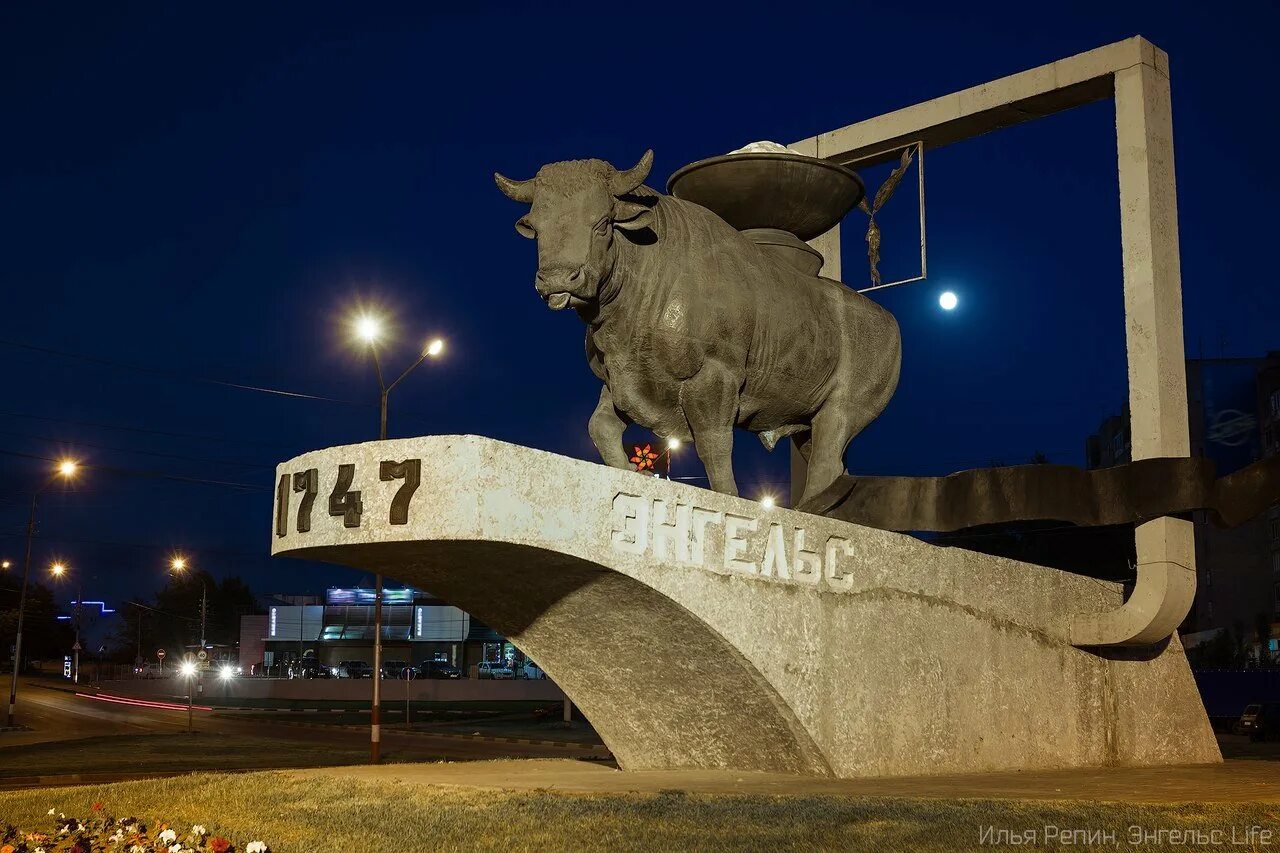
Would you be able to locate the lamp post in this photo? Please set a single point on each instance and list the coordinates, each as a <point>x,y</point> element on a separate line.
<point>58,570</point>
<point>369,330</point>
<point>188,672</point>
<point>66,470</point>
<point>178,564</point>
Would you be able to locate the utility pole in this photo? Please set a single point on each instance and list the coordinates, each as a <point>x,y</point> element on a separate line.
<point>369,330</point>
<point>22,612</point>
<point>66,469</point>
<point>75,650</point>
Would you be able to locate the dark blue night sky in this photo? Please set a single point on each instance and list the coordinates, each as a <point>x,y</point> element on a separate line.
<point>195,195</point>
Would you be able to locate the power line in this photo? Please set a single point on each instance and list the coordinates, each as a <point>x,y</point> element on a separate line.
<point>146,431</point>
<point>140,452</point>
<point>169,374</point>
<point>138,546</point>
<point>160,475</point>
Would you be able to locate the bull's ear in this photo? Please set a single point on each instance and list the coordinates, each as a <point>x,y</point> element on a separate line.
<point>630,216</point>
<point>524,229</point>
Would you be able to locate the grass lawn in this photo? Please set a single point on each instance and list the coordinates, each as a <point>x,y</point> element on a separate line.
<point>170,752</point>
<point>293,814</point>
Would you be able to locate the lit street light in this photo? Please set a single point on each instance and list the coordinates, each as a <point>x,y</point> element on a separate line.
<point>66,470</point>
<point>188,670</point>
<point>369,330</point>
<point>179,565</point>
<point>768,502</point>
<point>58,569</point>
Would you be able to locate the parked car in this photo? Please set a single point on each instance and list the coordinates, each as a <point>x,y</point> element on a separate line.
<point>494,669</point>
<point>395,669</point>
<point>308,668</point>
<point>438,669</point>
<point>353,669</point>
<point>1260,721</point>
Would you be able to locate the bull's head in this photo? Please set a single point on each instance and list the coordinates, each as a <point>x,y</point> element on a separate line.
<point>575,207</point>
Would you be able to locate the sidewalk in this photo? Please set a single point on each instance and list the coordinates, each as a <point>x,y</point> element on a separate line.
<point>1232,781</point>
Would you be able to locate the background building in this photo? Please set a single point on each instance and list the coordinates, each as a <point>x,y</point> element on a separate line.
<point>338,626</point>
<point>1233,407</point>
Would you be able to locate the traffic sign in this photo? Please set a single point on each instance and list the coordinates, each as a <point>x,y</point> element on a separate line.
<point>160,654</point>
<point>76,647</point>
<point>202,655</point>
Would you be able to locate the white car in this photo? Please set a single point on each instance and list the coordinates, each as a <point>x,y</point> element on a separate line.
<point>492,669</point>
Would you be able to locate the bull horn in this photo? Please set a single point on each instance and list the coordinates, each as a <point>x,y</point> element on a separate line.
<point>515,190</point>
<point>625,182</point>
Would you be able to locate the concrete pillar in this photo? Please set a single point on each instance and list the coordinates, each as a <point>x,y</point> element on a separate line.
<point>1166,581</point>
<point>829,245</point>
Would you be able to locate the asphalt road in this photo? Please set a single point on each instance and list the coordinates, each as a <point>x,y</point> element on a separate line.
<point>57,714</point>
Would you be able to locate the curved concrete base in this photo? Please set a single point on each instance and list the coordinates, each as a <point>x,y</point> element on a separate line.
<point>700,630</point>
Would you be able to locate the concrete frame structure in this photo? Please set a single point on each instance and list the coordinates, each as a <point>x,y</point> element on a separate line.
<point>1136,74</point>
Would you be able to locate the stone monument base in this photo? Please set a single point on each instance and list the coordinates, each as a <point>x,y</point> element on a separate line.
<point>698,630</point>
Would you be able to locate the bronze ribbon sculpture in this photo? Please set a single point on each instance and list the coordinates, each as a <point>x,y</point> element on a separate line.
<point>1136,492</point>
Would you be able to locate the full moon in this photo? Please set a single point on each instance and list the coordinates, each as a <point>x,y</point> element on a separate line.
<point>948,300</point>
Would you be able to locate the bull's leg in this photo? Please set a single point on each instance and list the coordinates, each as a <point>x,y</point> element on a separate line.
<point>834,427</point>
<point>710,404</point>
<point>606,427</point>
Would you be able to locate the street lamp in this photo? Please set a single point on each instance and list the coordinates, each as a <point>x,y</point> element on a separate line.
<point>368,329</point>
<point>178,564</point>
<point>66,469</point>
<point>58,569</point>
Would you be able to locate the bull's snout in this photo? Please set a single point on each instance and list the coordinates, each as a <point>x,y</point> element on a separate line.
<point>557,287</point>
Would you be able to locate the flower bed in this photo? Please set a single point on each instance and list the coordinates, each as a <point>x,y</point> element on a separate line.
<point>102,833</point>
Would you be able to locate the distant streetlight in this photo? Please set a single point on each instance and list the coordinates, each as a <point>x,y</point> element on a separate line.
<point>58,569</point>
<point>768,502</point>
<point>368,329</point>
<point>65,470</point>
<point>673,444</point>
<point>5,565</point>
<point>179,566</point>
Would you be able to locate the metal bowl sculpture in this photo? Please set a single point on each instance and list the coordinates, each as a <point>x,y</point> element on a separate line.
<point>805,196</point>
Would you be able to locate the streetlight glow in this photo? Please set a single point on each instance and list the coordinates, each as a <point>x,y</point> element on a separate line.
<point>5,565</point>
<point>188,668</point>
<point>368,328</point>
<point>767,502</point>
<point>434,348</point>
<point>673,444</point>
<point>178,564</point>
<point>226,672</point>
<point>68,467</point>
<point>58,569</point>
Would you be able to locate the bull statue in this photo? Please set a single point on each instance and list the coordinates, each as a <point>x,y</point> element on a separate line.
<point>694,329</point>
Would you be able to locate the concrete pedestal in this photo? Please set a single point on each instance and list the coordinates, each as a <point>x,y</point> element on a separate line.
<point>697,630</point>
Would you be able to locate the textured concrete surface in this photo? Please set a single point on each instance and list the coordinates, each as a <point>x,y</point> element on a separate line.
<point>699,630</point>
<point>1229,782</point>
